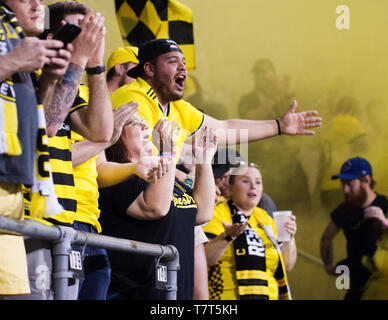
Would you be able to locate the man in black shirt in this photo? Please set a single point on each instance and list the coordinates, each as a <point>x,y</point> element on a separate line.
<point>361,203</point>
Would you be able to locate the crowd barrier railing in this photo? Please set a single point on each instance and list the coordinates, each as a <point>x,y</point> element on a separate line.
<point>62,239</point>
<point>310,257</point>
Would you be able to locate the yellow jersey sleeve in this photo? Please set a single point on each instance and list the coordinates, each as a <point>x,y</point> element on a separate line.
<point>121,96</point>
<point>192,119</point>
<point>82,98</point>
<point>147,108</point>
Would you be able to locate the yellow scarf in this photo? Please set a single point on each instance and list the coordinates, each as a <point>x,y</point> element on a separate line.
<point>44,202</point>
<point>9,141</point>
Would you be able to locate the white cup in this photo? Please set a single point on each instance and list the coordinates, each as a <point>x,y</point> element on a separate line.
<point>281,217</point>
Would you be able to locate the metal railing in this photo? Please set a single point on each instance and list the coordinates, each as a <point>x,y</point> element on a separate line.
<point>62,239</point>
<point>310,257</point>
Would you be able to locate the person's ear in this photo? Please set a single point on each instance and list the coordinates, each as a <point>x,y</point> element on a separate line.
<point>149,69</point>
<point>119,69</point>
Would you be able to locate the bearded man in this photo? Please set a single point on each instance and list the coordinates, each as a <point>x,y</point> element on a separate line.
<point>361,203</point>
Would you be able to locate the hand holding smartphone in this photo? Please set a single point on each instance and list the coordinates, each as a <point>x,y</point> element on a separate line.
<point>67,33</point>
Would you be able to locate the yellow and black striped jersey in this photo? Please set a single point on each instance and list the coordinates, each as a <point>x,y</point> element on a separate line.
<point>62,167</point>
<point>186,118</point>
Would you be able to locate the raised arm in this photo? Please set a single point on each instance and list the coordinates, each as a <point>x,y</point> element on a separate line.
<point>150,169</point>
<point>66,89</point>
<point>85,150</point>
<point>291,123</point>
<point>62,99</point>
<point>154,202</point>
<point>112,173</point>
<point>204,148</point>
<point>32,54</point>
<point>53,72</point>
<point>29,55</point>
<point>95,122</point>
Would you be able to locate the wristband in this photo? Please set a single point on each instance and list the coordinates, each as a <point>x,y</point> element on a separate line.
<point>167,154</point>
<point>189,181</point>
<point>95,70</point>
<point>278,123</point>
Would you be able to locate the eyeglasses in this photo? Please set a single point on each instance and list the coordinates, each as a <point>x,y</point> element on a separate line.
<point>137,122</point>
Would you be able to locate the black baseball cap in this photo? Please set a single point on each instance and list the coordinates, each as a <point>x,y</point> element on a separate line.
<point>150,50</point>
<point>224,160</point>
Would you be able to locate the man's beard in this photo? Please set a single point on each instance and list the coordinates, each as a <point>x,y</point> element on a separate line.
<point>357,200</point>
<point>225,192</point>
<point>162,88</point>
<point>122,82</point>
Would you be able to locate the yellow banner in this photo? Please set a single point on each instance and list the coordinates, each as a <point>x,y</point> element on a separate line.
<point>140,21</point>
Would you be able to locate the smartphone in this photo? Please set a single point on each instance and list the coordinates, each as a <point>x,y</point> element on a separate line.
<point>67,33</point>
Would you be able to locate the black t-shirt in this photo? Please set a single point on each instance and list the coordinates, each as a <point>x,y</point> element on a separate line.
<point>133,275</point>
<point>349,218</point>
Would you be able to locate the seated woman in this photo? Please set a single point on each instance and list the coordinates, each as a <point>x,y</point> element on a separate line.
<point>245,259</point>
<point>164,212</point>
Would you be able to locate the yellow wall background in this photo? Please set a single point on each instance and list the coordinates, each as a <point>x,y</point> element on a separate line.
<point>322,63</point>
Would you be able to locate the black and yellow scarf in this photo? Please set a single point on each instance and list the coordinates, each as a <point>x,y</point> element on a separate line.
<point>9,141</point>
<point>249,252</point>
<point>44,201</point>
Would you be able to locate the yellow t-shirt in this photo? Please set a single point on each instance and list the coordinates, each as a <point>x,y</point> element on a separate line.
<point>187,119</point>
<point>13,260</point>
<point>85,181</point>
<point>222,278</point>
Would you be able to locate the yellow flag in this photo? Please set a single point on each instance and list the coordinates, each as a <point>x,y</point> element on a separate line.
<point>143,20</point>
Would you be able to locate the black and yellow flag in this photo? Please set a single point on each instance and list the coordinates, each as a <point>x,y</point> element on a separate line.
<point>143,20</point>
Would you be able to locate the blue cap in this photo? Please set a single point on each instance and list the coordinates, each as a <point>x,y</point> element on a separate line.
<point>354,168</point>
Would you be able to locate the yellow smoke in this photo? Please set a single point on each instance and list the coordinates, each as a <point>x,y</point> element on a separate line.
<point>325,68</point>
